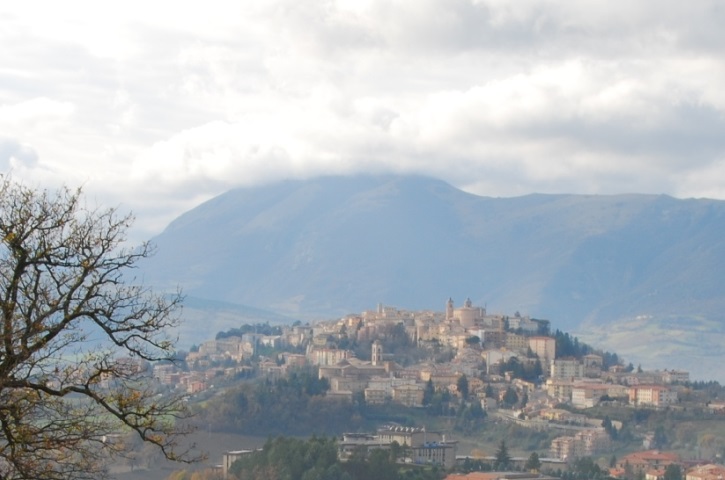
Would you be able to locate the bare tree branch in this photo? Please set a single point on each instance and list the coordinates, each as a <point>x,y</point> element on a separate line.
<point>76,336</point>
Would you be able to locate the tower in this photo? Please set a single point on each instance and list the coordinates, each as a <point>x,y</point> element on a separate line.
<point>377,354</point>
<point>449,309</point>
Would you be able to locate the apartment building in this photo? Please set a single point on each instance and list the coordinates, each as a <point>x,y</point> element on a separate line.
<point>545,348</point>
<point>652,395</point>
<point>566,369</point>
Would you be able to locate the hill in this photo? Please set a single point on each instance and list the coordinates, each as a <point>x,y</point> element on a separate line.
<point>606,267</point>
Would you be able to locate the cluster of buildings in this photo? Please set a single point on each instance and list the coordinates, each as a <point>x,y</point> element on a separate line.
<point>652,465</point>
<point>417,446</point>
<point>482,346</point>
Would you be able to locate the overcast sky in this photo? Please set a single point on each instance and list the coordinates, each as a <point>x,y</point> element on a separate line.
<point>156,106</point>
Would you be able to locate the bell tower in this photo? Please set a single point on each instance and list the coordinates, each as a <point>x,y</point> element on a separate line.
<point>377,354</point>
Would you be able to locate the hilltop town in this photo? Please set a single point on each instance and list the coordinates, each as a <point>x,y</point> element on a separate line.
<point>464,360</point>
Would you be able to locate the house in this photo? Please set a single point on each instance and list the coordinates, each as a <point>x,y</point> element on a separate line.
<point>706,472</point>
<point>587,395</point>
<point>647,460</point>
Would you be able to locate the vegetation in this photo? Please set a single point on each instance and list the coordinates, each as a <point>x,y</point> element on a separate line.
<point>570,346</point>
<point>530,372</point>
<point>284,458</point>
<point>673,472</point>
<point>292,406</point>
<point>67,316</point>
<point>260,328</point>
<point>208,474</point>
<point>462,386</point>
<point>503,459</point>
<point>533,463</point>
<point>584,468</point>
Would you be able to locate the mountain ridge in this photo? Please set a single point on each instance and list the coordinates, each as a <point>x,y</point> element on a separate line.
<point>329,246</point>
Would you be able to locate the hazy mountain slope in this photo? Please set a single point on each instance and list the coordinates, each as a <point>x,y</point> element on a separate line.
<point>330,246</point>
<point>667,258</point>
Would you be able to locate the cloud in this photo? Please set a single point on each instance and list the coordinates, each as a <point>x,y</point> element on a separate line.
<point>35,111</point>
<point>157,111</point>
<point>14,156</point>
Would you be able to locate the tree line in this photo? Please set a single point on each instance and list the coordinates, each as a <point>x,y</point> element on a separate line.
<point>295,405</point>
<point>285,458</point>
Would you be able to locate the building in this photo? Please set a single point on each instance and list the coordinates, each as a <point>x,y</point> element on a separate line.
<point>652,395</point>
<point>676,376</point>
<point>407,436</point>
<point>587,395</point>
<point>565,448</point>
<point>423,448</point>
<point>467,315</point>
<point>584,444</point>
<point>545,348</point>
<point>647,460</point>
<point>376,396</point>
<point>408,395</point>
<point>594,440</point>
<point>520,343</point>
<point>593,365</point>
<point>706,472</point>
<point>377,353</point>
<point>559,389</point>
<point>228,458</point>
<point>327,356</point>
<point>434,453</point>
<point>525,324</point>
<point>567,369</point>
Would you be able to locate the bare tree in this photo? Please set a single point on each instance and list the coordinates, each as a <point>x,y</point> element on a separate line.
<point>75,332</point>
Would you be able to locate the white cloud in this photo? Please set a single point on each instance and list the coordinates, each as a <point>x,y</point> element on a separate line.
<point>34,111</point>
<point>158,106</point>
<point>704,182</point>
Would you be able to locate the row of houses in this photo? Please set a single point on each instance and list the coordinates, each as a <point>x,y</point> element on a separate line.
<point>586,394</point>
<point>652,465</point>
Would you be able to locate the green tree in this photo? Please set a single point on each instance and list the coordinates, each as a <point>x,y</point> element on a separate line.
<point>510,398</point>
<point>538,371</point>
<point>533,463</point>
<point>462,385</point>
<point>428,392</point>
<point>660,437</point>
<point>69,312</point>
<point>477,410</point>
<point>380,467</point>
<point>586,468</point>
<point>609,427</point>
<point>503,458</point>
<point>673,472</point>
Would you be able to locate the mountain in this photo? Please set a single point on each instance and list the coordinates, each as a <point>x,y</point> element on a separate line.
<point>597,265</point>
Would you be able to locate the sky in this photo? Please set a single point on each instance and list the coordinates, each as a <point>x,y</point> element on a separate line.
<point>157,106</point>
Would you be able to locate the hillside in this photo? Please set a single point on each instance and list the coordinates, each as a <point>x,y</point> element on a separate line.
<point>330,246</point>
